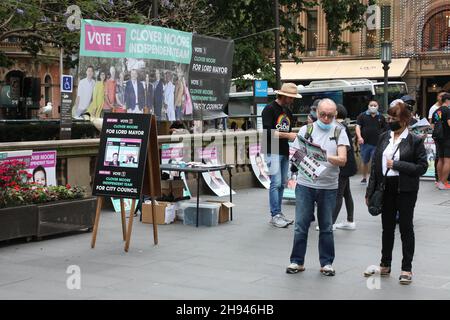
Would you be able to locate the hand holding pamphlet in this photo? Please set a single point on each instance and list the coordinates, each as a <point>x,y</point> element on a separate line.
<point>308,157</point>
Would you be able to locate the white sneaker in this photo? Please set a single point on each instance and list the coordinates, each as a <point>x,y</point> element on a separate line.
<point>289,221</point>
<point>327,270</point>
<point>441,186</point>
<point>294,268</point>
<point>318,229</point>
<point>345,225</point>
<point>278,221</point>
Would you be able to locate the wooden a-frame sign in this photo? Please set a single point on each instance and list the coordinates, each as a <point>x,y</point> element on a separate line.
<point>151,186</point>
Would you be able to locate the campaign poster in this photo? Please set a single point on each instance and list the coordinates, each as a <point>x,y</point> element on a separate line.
<point>430,148</point>
<point>289,188</point>
<point>210,76</point>
<point>43,168</point>
<point>213,179</point>
<point>23,155</point>
<point>122,155</point>
<point>131,68</point>
<point>259,165</point>
<point>172,153</point>
<point>116,204</point>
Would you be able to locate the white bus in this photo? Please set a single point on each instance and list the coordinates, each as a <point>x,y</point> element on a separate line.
<point>353,94</point>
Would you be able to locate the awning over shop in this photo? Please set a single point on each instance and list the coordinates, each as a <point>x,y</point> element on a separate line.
<point>344,69</point>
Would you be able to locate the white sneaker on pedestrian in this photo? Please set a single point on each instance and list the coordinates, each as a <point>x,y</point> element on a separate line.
<point>278,221</point>
<point>289,221</point>
<point>318,229</point>
<point>327,270</point>
<point>295,268</point>
<point>441,186</point>
<point>346,225</point>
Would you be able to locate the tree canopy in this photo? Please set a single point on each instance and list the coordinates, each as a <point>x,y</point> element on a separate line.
<point>37,23</point>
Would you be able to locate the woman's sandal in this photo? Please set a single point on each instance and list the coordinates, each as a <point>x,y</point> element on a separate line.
<point>405,279</point>
<point>373,270</point>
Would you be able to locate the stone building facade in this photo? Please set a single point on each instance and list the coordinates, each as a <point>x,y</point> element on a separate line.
<point>419,31</point>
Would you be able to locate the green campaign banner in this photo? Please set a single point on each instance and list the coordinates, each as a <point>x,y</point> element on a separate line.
<point>132,68</point>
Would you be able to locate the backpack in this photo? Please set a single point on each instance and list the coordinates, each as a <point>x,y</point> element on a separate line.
<point>309,130</point>
<point>438,131</point>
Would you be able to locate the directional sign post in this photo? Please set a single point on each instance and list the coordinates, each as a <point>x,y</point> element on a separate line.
<point>66,107</point>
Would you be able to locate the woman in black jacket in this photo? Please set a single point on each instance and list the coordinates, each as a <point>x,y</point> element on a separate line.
<point>402,155</point>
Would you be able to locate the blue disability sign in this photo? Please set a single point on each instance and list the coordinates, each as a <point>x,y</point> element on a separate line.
<point>67,83</point>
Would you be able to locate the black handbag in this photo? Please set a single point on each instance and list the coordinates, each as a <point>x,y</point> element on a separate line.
<point>375,201</point>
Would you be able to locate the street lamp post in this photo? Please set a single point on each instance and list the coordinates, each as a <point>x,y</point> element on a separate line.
<point>386,58</point>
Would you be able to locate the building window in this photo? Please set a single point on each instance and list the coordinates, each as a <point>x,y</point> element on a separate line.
<point>48,89</point>
<point>311,30</point>
<point>436,35</point>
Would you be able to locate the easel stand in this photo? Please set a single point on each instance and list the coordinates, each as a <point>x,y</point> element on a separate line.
<point>151,185</point>
<point>126,232</point>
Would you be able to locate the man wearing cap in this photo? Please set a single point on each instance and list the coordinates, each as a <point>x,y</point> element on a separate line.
<point>277,123</point>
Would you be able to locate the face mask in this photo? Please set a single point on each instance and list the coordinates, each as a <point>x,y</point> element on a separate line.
<point>373,109</point>
<point>394,126</point>
<point>323,126</point>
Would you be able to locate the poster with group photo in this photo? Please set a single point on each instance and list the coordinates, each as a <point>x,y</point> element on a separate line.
<point>131,68</point>
<point>43,168</point>
<point>122,155</point>
<point>259,165</point>
<point>213,179</point>
<point>173,153</point>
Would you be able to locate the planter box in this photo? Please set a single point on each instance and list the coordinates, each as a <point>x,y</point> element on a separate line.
<point>65,216</point>
<point>18,222</point>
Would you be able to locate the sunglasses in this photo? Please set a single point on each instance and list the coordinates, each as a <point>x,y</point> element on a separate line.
<point>326,115</point>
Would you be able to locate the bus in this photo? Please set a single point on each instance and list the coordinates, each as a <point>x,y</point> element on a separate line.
<point>354,94</point>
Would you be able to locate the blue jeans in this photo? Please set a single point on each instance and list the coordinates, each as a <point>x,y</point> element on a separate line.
<point>278,169</point>
<point>304,213</point>
<point>178,112</point>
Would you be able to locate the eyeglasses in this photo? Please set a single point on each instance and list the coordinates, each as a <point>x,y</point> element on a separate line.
<point>326,115</point>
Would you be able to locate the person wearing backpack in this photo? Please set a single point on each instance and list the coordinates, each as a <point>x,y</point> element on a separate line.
<point>345,173</point>
<point>440,122</point>
<point>321,190</point>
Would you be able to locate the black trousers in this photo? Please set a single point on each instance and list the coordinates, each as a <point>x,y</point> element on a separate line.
<point>344,193</point>
<point>404,203</point>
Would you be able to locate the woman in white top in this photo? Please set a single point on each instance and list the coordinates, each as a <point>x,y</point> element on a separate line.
<point>400,159</point>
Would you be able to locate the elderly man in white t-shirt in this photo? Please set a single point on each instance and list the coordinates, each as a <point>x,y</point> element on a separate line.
<point>317,183</point>
<point>84,93</point>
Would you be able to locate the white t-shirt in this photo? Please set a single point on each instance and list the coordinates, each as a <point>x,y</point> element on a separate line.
<point>432,110</point>
<point>329,179</point>
<point>84,92</point>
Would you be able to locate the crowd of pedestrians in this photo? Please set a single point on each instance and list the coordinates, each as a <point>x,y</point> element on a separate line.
<point>394,154</point>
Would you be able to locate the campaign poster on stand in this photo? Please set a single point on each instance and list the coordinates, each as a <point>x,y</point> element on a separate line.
<point>122,155</point>
<point>43,168</point>
<point>259,165</point>
<point>430,148</point>
<point>289,188</point>
<point>172,153</point>
<point>132,68</point>
<point>213,179</point>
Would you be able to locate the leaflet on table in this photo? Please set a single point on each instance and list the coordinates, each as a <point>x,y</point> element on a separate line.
<point>307,158</point>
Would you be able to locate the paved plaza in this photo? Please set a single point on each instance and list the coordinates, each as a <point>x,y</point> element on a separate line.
<point>242,259</point>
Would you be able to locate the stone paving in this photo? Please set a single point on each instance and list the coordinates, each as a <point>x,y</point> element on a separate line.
<point>242,259</point>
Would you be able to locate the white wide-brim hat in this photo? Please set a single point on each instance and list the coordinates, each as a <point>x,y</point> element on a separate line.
<point>289,90</point>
